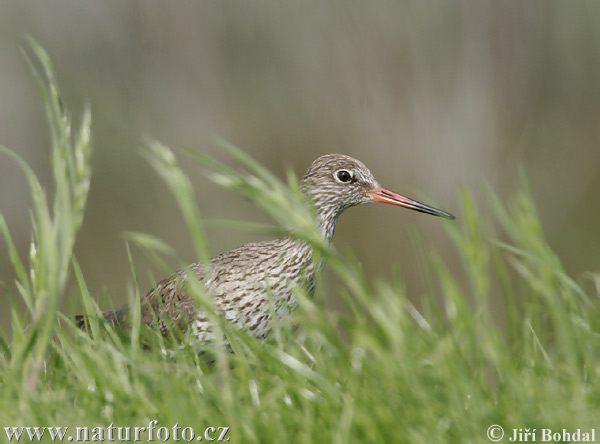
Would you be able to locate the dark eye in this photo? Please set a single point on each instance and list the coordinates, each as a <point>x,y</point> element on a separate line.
<point>344,176</point>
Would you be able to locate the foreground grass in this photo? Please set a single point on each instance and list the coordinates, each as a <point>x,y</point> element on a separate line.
<point>442,374</point>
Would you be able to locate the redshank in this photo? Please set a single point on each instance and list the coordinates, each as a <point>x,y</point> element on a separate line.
<point>253,283</point>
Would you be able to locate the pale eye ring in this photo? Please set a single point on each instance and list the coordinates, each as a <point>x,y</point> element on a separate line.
<point>343,176</point>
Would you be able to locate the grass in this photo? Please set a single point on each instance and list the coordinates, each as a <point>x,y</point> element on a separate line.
<point>444,373</point>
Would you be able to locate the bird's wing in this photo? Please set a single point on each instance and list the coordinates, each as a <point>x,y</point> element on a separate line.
<point>169,303</point>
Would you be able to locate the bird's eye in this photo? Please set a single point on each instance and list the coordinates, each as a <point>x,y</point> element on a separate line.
<point>344,176</point>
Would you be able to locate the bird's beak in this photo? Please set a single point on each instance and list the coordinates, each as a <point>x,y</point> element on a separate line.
<point>386,196</point>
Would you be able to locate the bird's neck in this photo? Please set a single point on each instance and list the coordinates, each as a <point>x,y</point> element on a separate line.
<point>327,219</point>
<point>300,253</point>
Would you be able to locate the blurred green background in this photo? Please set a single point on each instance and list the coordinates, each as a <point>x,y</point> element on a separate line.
<point>435,97</point>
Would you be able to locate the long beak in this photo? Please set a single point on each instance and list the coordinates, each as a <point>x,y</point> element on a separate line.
<point>386,196</point>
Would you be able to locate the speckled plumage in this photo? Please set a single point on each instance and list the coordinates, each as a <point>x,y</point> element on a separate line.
<point>240,281</point>
<point>251,283</point>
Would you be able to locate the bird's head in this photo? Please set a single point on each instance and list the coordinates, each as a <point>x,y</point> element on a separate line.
<point>337,182</point>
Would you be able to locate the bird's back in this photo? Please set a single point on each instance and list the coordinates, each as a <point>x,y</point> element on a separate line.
<point>248,285</point>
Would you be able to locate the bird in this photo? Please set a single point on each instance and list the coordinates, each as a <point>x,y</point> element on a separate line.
<point>252,284</point>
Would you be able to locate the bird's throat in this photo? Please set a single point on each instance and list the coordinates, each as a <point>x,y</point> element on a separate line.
<point>327,223</point>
